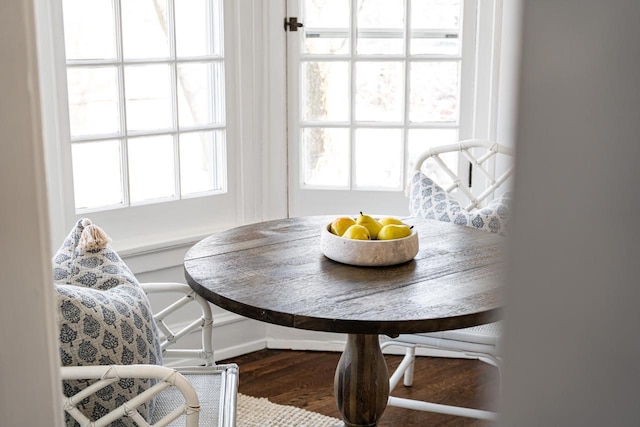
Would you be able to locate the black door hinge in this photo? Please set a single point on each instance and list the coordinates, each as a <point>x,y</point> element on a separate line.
<point>292,24</point>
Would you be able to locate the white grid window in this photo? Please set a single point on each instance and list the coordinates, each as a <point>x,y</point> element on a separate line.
<point>145,83</point>
<point>380,83</point>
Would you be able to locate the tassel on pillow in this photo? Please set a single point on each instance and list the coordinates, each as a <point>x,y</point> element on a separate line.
<point>92,237</point>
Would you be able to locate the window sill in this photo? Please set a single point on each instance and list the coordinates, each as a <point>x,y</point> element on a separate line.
<point>161,254</point>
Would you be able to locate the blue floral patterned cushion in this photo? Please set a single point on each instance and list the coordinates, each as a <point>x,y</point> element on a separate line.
<point>429,200</point>
<point>103,318</point>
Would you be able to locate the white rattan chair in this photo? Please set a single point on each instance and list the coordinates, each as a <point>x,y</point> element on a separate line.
<point>189,396</point>
<point>480,342</point>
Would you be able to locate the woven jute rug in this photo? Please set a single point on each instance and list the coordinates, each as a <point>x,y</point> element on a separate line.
<point>260,412</point>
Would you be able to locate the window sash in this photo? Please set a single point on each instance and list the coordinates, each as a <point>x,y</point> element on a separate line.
<point>123,65</point>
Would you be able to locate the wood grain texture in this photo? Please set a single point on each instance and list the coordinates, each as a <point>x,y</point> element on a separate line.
<point>274,272</point>
<point>361,384</point>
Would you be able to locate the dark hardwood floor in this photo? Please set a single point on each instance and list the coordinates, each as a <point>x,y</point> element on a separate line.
<point>305,379</point>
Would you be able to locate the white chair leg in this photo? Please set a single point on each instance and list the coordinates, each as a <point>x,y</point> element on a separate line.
<point>410,354</point>
<point>441,409</point>
<point>406,364</point>
<point>406,370</point>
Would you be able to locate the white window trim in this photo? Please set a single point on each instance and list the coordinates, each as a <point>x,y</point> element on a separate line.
<point>487,75</point>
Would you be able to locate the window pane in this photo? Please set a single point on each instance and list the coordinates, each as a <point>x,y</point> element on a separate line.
<point>380,26</point>
<point>151,168</point>
<point>436,14</point>
<point>378,154</point>
<point>435,27</point>
<point>379,91</point>
<point>380,14</point>
<point>325,157</point>
<point>201,162</point>
<point>325,91</point>
<point>200,96</point>
<point>145,29</point>
<point>193,28</point>
<point>434,92</point>
<point>97,174</point>
<point>326,13</point>
<point>93,100</point>
<point>89,29</point>
<point>148,97</point>
<point>326,26</point>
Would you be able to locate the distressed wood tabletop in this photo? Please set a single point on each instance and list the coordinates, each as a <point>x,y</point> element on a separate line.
<point>275,272</point>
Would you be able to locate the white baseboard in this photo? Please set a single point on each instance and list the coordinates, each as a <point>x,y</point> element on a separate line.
<point>338,346</point>
<point>227,318</point>
<point>229,353</point>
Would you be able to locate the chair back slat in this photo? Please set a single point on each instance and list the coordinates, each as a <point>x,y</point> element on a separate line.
<point>482,155</point>
<point>172,335</point>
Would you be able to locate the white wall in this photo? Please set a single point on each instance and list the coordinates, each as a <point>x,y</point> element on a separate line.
<point>571,343</point>
<point>29,381</point>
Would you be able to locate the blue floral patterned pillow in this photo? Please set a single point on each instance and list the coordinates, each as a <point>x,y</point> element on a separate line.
<point>429,200</point>
<point>103,318</point>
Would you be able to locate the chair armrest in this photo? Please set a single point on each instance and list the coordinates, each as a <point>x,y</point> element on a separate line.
<point>204,323</point>
<point>109,374</point>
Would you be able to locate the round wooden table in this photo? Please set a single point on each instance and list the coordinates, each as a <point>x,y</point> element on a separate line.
<point>274,272</point>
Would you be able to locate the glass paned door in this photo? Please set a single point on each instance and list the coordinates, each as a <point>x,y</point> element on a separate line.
<point>372,83</point>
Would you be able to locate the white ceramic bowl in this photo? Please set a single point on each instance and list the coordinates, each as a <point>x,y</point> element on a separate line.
<point>369,253</point>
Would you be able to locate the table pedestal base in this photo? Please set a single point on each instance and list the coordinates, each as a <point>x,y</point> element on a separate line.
<point>361,384</point>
